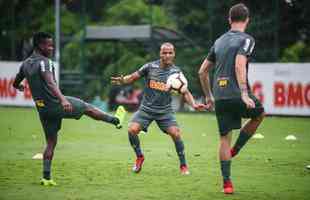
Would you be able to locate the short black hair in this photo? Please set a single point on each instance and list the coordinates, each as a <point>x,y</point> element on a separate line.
<point>239,13</point>
<point>39,37</point>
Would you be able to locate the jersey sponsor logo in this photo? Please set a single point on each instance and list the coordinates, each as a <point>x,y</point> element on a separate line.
<point>222,81</point>
<point>156,85</point>
<point>40,103</point>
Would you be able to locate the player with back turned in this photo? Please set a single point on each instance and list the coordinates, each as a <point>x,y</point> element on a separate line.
<point>51,104</point>
<point>229,56</point>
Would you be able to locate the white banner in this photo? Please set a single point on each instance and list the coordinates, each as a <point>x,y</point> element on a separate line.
<point>283,88</point>
<point>8,94</point>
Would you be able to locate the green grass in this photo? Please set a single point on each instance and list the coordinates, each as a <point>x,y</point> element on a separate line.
<point>93,161</point>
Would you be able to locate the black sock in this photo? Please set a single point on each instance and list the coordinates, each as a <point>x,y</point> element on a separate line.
<point>241,141</point>
<point>135,143</point>
<point>47,169</point>
<point>179,146</point>
<point>110,119</point>
<point>225,168</point>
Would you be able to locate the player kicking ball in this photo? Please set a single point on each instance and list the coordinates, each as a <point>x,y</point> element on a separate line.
<point>51,104</point>
<point>231,91</point>
<point>156,103</point>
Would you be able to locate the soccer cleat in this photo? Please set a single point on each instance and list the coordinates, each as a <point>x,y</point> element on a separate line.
<point>184,170</point>
<point>120,115</point>
<point>228,187</point>
<point>138,164</point>
<point>46,182</point>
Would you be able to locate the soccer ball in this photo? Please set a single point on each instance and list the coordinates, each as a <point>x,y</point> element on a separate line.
<point>177,82</point>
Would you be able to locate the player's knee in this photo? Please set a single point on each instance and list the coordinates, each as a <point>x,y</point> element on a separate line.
<point>174,132</point>
<point>134,130</point>
<point>90,111</point>
<point>260,117</point>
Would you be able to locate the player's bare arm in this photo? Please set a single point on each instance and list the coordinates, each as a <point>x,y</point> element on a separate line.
<point>48,77</point>
<point>240,68</point>
<point>205,67</point>
<point>191,101</point>
<point>17,82</point>
<point>123,80</point>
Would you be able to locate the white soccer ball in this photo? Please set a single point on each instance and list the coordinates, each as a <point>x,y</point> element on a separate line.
<point>177,82</point>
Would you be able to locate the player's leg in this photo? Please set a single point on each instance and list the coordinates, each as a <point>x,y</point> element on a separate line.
<point>97,114</point>
<point>249,128</point>
<point>51,128</point>
<point>133,131</point>
<point>227,121</point>
<point>175,134</point>
<point>168,124</point>
<point>80,107</point>
<point>47,160</point>
<point>140,121</point>
<point>225,161</point>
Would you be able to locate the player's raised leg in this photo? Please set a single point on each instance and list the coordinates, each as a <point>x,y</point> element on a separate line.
<point>249,128</point>
<point>133,131</point>
<point>225,159</point>
<point>97,114</point>
<point>175,135</point>
<point>246,132</point>
<point>80,108</point>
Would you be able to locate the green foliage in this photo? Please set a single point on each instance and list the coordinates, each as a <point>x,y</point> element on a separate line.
<point>200,20</point>
<point>71,53</point>
<point>189,60</point>
<point>298,52</point>
<point>105,58</point>
<point>192,18</point>
<point>134,12</point>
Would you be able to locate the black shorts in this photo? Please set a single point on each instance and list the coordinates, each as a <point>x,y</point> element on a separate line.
<point>163,120</point>
<point>229,113</point>
<point>51,116</point>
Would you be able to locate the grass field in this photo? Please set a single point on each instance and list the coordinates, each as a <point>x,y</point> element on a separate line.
<point>93,161</point>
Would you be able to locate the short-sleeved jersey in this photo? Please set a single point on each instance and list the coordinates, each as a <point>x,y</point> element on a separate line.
<point>156,98</point>
<point>32,69</point>
<point>223,53</point>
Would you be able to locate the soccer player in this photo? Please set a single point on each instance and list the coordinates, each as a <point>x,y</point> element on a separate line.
<point>156,104</point>
<point>231,92</point>
<point>51,104</point>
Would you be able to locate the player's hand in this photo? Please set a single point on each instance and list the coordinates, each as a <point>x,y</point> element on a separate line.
<point>67,105</point>
<point>118,80</point>
<point>21,88</point>
<point>247,100</point>
<point>209,104</point>
<point>200,107</point>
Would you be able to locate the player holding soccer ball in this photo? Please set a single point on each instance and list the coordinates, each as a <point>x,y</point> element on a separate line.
<point>233,98</point>
<point>51,104</point>
<point>156,104</point>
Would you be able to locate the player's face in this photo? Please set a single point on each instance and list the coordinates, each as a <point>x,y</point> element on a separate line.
<point>47,47</point>
<point>167,55</point>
